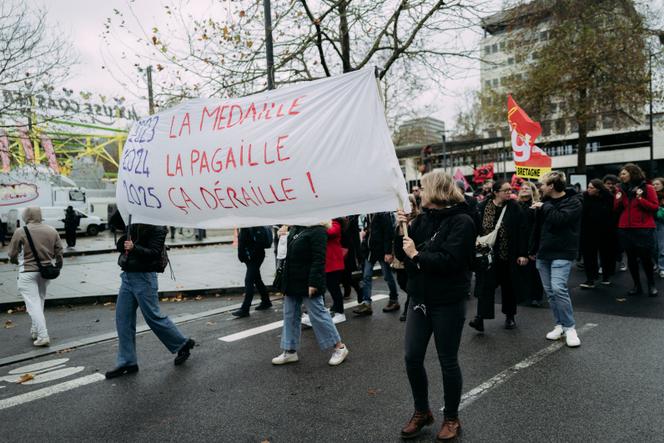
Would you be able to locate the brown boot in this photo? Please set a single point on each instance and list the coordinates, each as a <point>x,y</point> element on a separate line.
<point>450,430</point>
<point>416,423</point>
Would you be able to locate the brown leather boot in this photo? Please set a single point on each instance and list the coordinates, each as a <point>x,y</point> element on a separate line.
<point>416,423</point>
<point>450,430</point>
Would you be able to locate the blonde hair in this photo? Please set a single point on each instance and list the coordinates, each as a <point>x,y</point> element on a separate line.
<point>440,188</point>
<point>533,189</point>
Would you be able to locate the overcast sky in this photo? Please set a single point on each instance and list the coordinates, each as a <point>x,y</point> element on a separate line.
<point>84,20</point>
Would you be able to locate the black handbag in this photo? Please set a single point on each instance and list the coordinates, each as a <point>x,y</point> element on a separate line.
<point>278,282</point>
<point>49,271</point>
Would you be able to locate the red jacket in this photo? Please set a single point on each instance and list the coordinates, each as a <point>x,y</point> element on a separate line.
<point>637,212</point>
<point>334,257</point>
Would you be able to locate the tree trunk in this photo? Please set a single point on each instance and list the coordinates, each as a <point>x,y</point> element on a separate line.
<point>582,117</point>
<point>343,35</point>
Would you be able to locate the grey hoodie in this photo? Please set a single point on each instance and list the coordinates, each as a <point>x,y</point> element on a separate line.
<point>45,238</point>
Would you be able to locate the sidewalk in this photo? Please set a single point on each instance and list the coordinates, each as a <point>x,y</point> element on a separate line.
<point>105,243</point>
<point>212,269</point>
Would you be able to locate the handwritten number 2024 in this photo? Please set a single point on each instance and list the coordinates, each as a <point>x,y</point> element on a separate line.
<point>135,160</point>
<point>144,130</point>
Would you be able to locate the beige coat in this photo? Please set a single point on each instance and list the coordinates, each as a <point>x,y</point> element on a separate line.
<point>46,240</point>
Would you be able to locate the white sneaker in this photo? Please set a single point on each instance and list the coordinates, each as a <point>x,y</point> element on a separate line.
<point>306,321</point>
<point>285,358</point>
<point>338,318</point>
<point>556,334</point>
<point>339,356</point>
<point>40,342</point>
<point>571,338</point>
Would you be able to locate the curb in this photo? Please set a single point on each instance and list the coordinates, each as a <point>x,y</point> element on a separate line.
<point>66,253</point>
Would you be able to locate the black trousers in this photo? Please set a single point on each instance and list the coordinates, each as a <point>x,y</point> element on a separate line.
<point>644,255</point>
<point>348,282</point>
<point>445,322</point>
<point>70,236</point>
<point>333,283</point>
<point>502,273</point>
<point>253,278</point>
<point>594,246</point>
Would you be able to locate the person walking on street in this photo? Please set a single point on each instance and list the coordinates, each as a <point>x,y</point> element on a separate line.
<point>251,251</point>
<point>350,241</point>
<point>658,184</point>
<point>596,226</point>
<point>637,202</point>
<point>334,268</point>
<point>437,254</point>
<point>611,183</point>
<point>532,290</point>
<point>31,285</point>
<point>142,252</point>
<point>72,220</point>
<point>377,247</point>
<point>510,252</point>
<point>303,281</point>
<point>555,245</point>
<point>398,265</point>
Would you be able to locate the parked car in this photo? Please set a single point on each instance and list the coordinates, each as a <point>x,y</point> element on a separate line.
<point>90,224</point>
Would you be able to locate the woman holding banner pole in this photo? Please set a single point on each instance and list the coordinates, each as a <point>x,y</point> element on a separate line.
<point>437,255</point>
<point>303,282</point>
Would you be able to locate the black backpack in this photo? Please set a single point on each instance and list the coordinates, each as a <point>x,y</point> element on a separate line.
<point>263,236</point>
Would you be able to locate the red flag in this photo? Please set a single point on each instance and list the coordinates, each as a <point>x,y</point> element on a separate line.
<point>458,176</point>
<point>530,161</point>
<point>483,173</point>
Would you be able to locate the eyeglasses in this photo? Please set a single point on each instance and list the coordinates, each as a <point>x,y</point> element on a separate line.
<point>505,190</point>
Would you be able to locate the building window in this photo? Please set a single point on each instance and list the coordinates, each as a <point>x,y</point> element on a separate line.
<point>510,61</point>
<point>544,36</point>
<point>494,48</point>
<point>487,50</point>
<point>546,128</point>
<point>560,126</point>
<point>553,107</point>
<point>487,83</point>
<point>502,46</point>
<point>534,55</point>
<point>495,82</point>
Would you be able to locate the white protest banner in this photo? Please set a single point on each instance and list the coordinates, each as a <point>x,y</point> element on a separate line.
<point>297,155</point>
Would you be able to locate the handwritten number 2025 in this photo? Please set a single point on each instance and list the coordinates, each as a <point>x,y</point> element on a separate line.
<point>144,130</point>
<point>140,196</point>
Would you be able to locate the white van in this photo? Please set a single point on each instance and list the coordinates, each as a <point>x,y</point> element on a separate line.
<point>55,215</point>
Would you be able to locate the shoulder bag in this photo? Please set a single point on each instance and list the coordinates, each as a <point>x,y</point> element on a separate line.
<point>48,272</point>
<point>484,246</point>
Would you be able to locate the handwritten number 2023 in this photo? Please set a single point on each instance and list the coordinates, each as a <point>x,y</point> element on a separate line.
<point>144,130</point>
<point>140,196</point>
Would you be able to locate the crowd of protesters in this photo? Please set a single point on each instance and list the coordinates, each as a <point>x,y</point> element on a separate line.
<point>521,236</point>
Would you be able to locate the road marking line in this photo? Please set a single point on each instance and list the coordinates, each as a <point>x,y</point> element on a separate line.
<point>277,324</point>
<point>16,378</point>
<point>39,366</point>
<point>50,390</point>
<point>500,378</point>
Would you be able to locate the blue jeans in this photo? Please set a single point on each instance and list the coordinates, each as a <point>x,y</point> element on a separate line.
<point>554,274</point>
<point>139,289</point>
<point>321,322</point>
<point>367,276</point>
<point>660,245</point>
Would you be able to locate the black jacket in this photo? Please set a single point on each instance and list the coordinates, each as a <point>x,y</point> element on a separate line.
<point>379,235</point>
<point>440,272</point>
<point>556,236</point>
<point>247,249</point>
<point>305,261</point>
<point>148,246</point>
<point>597,215</point>
<point>516,228</point>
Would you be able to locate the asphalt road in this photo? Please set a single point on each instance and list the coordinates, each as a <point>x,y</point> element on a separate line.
<point>609,389</point>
